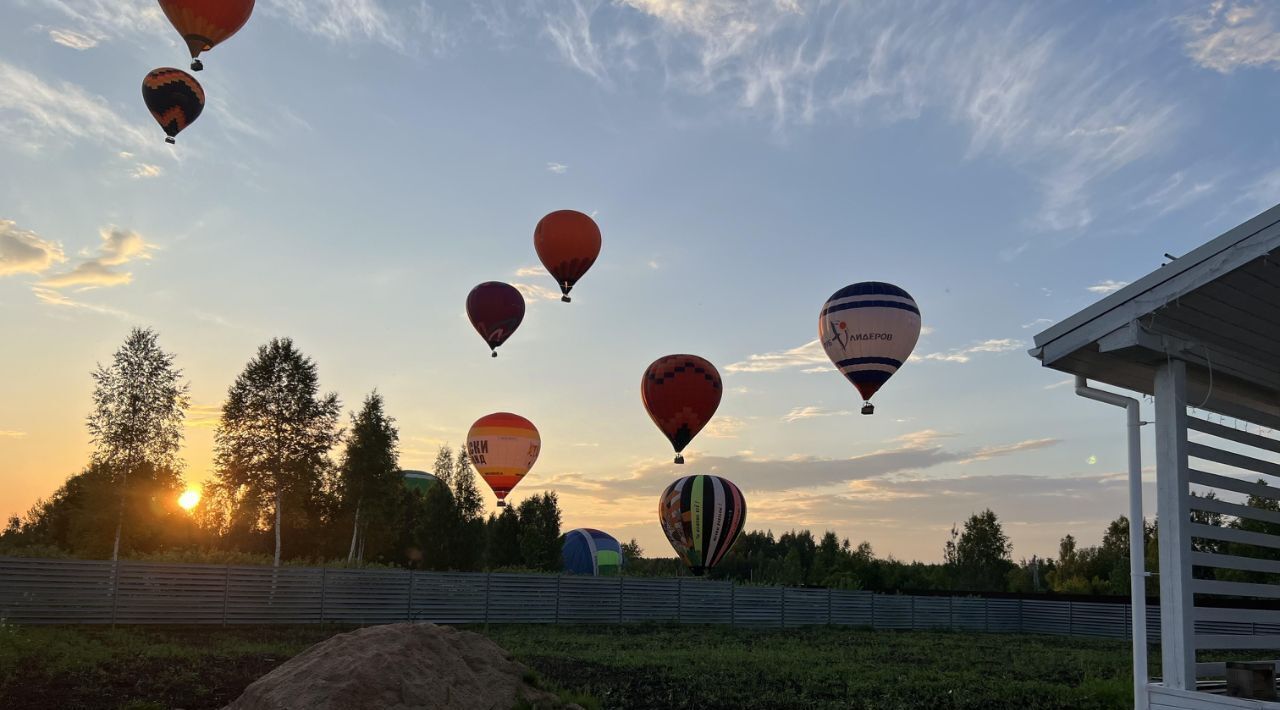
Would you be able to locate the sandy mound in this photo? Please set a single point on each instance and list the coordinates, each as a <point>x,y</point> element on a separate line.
<point>397,667</point>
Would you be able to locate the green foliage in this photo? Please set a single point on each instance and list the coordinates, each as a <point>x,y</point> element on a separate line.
<point>471,533</point>
<point>369,482</point>
<point>979,556</point>
<point>540,531</point>
<point>502,540</point>
<point>273,440</point>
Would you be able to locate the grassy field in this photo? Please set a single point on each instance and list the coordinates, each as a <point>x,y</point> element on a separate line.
<point>619,667</point>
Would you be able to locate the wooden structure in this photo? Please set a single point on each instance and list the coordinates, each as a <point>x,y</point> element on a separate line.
<point>1201,334</point>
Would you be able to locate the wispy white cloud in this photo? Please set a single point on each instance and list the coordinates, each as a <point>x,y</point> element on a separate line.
<point>1037,323</point>
<point>1050,107</point>
<point>72,39</point>
<point>1177,192</point>
<point>142,171</point>
<point>965,354</point>
<point>24,252</point>
<point>203,416</point>
<point>101,20</point>
<point>1265,191</point>
<point>557,168</point>
<point>1108,286</point>
<point>724,427</point>
<point>1060,384</point>
<point>35,114</point>
<point>11,434</point>
<point>1227,36</point>
<point>536,292</point>
<point>51,297</point>
<point>119,247</point>
<point>806,355</point>
<point>801,413</point>
<point>527,271</point>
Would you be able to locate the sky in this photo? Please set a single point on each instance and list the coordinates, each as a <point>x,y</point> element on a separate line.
<point>361,164</point>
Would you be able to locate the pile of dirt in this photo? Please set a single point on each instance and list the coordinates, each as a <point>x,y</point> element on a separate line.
<point>398,667</point>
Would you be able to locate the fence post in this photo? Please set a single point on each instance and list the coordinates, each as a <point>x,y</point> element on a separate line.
<point>986,615</point>
<point>558,576</point>
<point>782,599</point>
<point>622,593</point>
<point>829,621</point>
<point>951,613</point>
<point>679,600</point>
<point>324,583</point>
<point>913,612</point>
<point>408,605</point>
<point>733,605</point>
<point>115,589</point>
<point>873,610</point>
<point>1021,617</point>
<point>487,575</point>
<point>226,591</point>
<point>1071,621</point>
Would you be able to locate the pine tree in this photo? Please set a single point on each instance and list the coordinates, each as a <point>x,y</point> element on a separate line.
<point>276,430</point>
<point>502,544</point>
<point>444,466</point>
<point>540,531</point>
<point>471,529</point>
<point>136,423</point>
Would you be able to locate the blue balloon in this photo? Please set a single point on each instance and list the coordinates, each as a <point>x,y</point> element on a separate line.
<point>589,551</point>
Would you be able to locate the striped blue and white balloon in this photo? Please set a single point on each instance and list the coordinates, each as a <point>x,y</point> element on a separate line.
<point>868,330</point>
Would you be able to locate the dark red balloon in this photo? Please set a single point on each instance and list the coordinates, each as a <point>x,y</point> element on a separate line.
<point>495,310</point>
<point>681,393</point>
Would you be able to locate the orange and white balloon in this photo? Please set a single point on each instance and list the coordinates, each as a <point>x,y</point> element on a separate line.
<point>503,447</point>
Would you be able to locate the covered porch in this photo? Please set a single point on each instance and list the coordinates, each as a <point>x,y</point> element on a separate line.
<point>1201,335</point>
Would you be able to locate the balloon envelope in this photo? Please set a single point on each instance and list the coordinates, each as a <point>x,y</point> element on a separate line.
<point>205,23</point>
<point>681,393</point>
<point>418,481</point>
<point>702,517</point>
<point>568,243</point>
<point>495,310</point>
<point>868,330</point>
<point>174,98</point>
<point>590,551</point>
<point>503,447</point>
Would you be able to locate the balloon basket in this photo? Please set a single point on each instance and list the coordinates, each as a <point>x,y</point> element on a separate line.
<point>197,65</point>
<point>169,140</point>
<point>495,354</point>
<point>566,299</point>
<point>502,504</point>
<point>868,408</point>
<point>679,458</point>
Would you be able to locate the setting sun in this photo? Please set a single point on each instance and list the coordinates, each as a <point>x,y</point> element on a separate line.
<point>189,499</point>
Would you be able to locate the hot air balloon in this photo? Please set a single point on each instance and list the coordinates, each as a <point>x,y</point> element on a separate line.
<point>589,551</point>
<point>418,481</point>
<point>568,243</point>
<point>205,23</point>
<point>681,393</point>
<point>702,516</point>
<point>503,447</point>
<point>495,310</point>
<point>868,330</point>
<point>174,98</point>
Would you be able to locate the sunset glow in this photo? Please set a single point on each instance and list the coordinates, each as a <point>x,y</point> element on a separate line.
<point>189,499</point>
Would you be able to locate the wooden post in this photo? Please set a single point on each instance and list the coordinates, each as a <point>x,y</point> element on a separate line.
<point>1177,642</point>
<point>733,605</point>
<point>226,591</point>
<point>558,597</point>
<point>324,582</point>
<point>408,606</point>
<point>622,593</point>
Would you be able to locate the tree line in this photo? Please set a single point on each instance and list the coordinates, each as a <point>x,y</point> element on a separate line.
<point>278,490</point>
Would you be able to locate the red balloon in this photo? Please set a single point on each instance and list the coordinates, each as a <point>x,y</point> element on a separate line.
<point>568,243</point>
<point>681,393</point>
<point>495,310</point>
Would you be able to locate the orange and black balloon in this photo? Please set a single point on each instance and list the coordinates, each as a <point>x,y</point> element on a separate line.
<point>568,243</point>
<point>205,23</point>
<point>174,97</point>
<point>681,393</point>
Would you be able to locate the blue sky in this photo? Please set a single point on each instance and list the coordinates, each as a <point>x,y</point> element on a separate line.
<point>361,164</point>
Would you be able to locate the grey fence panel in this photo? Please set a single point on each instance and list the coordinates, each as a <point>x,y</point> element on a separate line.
<point>448,597</point>
<point>589,600</point>
<point>34,591</point>
<point>522,598</point>
<point>1153,623</point>
<point>1095,619</point>
<point>932,613</point>
<point>1004,616</point>
<point>366,596</point>
<point>705,602</point>
<point>1046,617</point>
<point>893,611</point>
<point>650,599</point>
<point>267,595</point>
<point>851,608</point>
<point>757,606</point>
<point>170,594</point>
<point>806,607</point>
<point>969,613</point>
